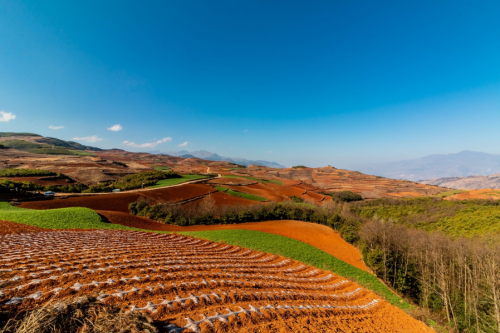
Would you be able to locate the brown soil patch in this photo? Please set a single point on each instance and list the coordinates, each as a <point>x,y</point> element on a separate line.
<point>189,284</point>
<point>7,227</point>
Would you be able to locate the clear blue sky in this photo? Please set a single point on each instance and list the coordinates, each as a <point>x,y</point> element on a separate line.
<point>296,82</point>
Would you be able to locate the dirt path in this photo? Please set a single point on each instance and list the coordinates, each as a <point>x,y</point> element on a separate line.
<point>317,235</point>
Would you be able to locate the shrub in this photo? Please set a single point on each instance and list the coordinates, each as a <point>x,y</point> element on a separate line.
<point>345,196</point>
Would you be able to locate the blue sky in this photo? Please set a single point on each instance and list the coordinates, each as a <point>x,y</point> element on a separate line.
<point>296,82</point>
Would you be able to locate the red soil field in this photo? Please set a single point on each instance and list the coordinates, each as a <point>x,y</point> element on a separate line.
<point>305,186</point>
<point>7,227</point>
<point>179,193</point>
<point>287,190</point>
<point>119,202</point>
<point>260,190</point>
<point>39,182</point>
<point>116,202</point>
<point>317,235</point>
<point>314,196</point>
<point>189,285</point>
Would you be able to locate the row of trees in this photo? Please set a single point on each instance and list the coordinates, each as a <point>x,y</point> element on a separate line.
<point>25,173</point>
<point>6,184</point>
<point>458,278</point>
<point>336,215</point>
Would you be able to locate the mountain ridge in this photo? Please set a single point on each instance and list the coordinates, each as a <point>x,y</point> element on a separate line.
<point>463,164</point>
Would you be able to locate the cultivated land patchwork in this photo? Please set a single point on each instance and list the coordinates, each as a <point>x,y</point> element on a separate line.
<point>187,284</point>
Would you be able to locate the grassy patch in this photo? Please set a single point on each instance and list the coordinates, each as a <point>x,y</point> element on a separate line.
<point>291,248</point>
<point>175,181</point>
<point>241,194</point>
<point>62,218</point>
<point>256,179</point>
<point>82,153</point>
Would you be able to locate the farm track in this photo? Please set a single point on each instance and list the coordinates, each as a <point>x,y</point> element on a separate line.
<point>188,285</point>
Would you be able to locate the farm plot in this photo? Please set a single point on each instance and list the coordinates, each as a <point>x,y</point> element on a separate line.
<point>188,285</point>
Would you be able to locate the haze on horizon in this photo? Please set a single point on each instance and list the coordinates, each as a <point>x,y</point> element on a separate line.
<point>317,83</point>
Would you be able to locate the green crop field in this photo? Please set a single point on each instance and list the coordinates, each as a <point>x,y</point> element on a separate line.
<point>296,250</point>
<point>256,179</point>
<point>241,194</point>
<point>62,218</point>
<point>175,181</point>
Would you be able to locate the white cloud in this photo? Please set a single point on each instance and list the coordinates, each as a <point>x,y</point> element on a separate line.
<point>56,127</point>
<point>92,138</point>
<point>115,128</point>
<point>245,131</point>
<point>148,144</point>
<point>6,116</point>
<point>184,144</point>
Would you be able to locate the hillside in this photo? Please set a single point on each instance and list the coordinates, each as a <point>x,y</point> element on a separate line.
<point>467,183</point>
<point>91,167</point>
<point>465,163</point>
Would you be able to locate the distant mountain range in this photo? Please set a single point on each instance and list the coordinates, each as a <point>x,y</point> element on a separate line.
<point>463,164</point>
<point>467,183</point>
<point>206,155</point>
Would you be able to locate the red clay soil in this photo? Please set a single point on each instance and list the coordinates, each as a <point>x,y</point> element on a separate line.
<point>287,190</point>
<point>313,196</point>
<point>119,202</point>
<point>179,193</point>
<point>38,181</point>
<point>115,202</point>
<point>317,235</point>
<point>7,227</point>
<point>305,186</point>
<point>260,190</point>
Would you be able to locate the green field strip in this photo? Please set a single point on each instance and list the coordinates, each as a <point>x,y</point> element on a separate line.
<point>175,181</point>
<point>256,179</point>
<point>61,218</point>
<point>297,250</point>
<point>241,194</point>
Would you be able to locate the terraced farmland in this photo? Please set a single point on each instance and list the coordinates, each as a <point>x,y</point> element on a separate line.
<point>187,284</point>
